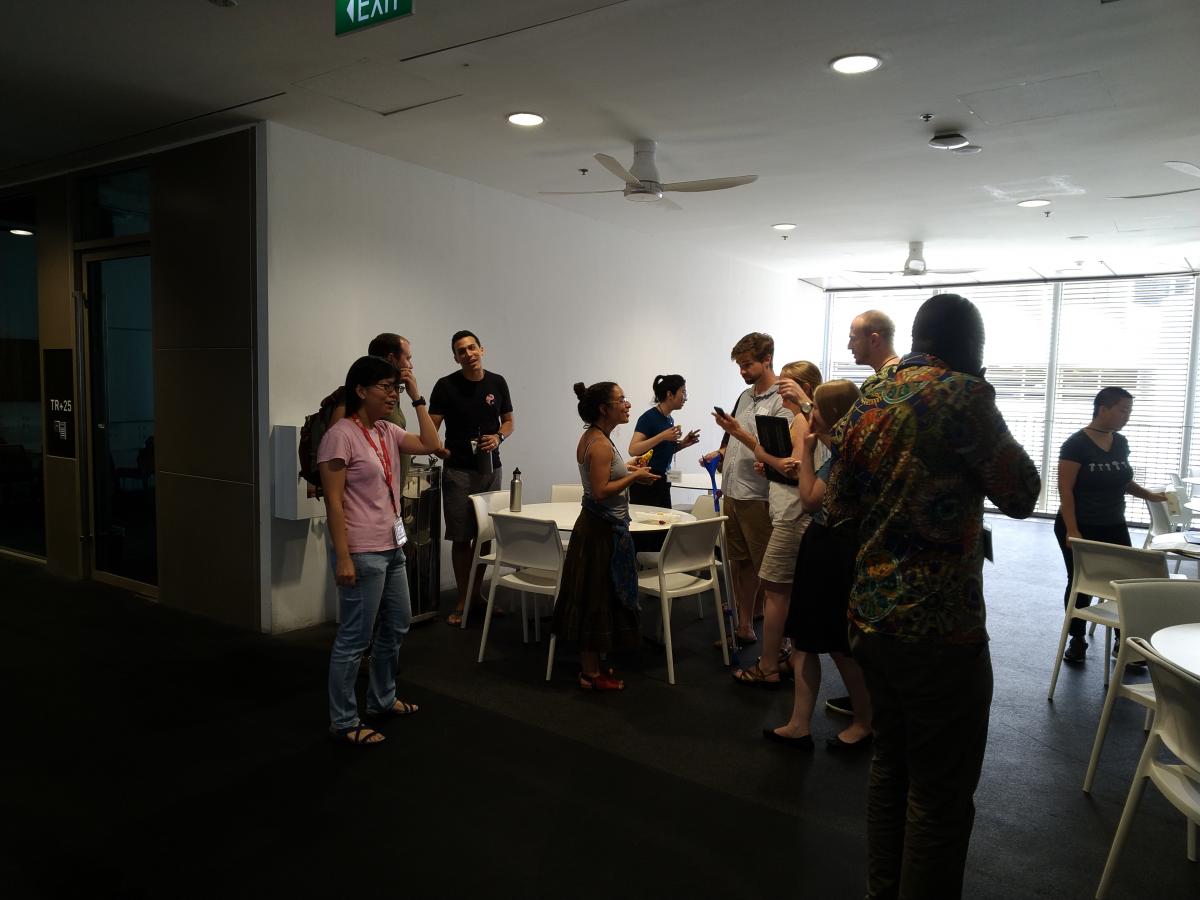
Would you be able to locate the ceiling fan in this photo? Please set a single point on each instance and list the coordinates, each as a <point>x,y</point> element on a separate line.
<point>1186,168</point>
<point>914,265</point>
<point>642,181</point>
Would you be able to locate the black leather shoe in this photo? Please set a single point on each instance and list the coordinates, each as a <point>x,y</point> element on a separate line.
<point>836,745</point>
<point>796,743</point>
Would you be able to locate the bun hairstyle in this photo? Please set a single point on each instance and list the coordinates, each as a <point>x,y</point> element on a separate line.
<point>834,399</point>
<point>592,399</point>
<point>804,373</point>
<point>666,384</point>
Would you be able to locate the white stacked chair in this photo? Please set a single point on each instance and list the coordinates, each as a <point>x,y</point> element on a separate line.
<point>1177,728</point>
<point>687,567</point>
<point>1096,566</point>
<point>566,493</point>
<point>1144,606</point>
<point>532,547</point>
<point>483,505</point>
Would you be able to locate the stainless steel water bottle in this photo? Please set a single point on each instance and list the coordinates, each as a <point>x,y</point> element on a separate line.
<point>514,492</point>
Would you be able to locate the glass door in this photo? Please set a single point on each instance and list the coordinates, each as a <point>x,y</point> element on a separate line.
<point>120,417</point>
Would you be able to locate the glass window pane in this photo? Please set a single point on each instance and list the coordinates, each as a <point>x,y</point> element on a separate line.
<point>115,204</point>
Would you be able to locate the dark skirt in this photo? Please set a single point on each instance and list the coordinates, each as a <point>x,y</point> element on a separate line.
<point>817,621</point>
<point>588,612</point>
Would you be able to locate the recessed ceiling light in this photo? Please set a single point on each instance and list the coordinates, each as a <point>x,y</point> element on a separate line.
<point>856,64</point>
<point>968,149</point>
<point>526,119</point>
<point>21,232</point>
<point>949,141</point>
<point>1033,204</point>
<point>1077,237</point>
<point>784,226</point>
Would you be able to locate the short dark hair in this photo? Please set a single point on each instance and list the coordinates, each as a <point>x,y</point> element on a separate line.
<point>459,335</point>
<point>757,344</point>
<point>666,384</point>
<point>950,327</point>
<point>385,345</point>
<point>1109,396</point>
<point>366,371</point>
<point>592,398</point>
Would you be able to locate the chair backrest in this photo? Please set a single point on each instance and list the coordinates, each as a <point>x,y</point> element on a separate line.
<point>484,504</point>
<point>1160,518</point>
<point>1097,565</point>
<point>1177,482</point>
<point>527,543</point>
<point>1148,604</point>
<point>1177,705</point>
<point>566,493</point>
<point>703,508</point>
<point>690,545</point>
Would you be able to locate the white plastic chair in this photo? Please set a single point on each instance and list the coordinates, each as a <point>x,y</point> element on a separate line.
<point>1176,727</point>
<point>566,493</point>
<point>1161,522</point>
<point>1144,606</point>
<point>484,505</point>
<point>1096,566</point>
<point>705,508</point>
<point>688,550</point>
<point>532,547</point>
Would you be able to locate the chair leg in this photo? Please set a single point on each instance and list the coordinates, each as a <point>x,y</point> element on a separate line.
<point>537,620</point>
<point>1191,851</point>
<point>719,606</point>
<point>471,586</point>
<point>1062,646</point>
<point>487,620</point>
<point>666,622</point>
<point>524,621</point>
<point>1091,629</point>
<point>699,606</point>
<point>1131,801</point>
<point>550,655</point>
<point>1149,719</point>
<point>1108,637</point>
<point>1110,700</point>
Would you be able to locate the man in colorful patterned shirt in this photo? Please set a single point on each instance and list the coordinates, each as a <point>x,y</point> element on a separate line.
<point>918,457</point>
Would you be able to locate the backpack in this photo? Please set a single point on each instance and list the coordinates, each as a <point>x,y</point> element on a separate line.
<point>311,432</point>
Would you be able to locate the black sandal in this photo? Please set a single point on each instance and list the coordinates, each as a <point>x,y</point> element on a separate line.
<point>354,735</point>
<point>398,708</point>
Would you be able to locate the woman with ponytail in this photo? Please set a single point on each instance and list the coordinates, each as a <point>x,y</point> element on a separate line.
<point>597,603</point>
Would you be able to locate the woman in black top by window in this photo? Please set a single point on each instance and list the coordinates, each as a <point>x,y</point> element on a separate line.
<point>1094,476</point>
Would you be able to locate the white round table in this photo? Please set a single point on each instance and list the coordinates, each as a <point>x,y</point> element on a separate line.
<point>644,518</point>
<point>1180,644</point>
<point>1176,543</point>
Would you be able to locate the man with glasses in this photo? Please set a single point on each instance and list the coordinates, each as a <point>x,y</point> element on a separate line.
<point>478,412</point>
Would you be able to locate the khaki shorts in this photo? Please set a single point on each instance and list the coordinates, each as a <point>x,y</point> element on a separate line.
<point>779,562</point>
<point>748,530</point>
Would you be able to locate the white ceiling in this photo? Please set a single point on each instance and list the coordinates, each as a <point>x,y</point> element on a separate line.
<point>1094,97</point>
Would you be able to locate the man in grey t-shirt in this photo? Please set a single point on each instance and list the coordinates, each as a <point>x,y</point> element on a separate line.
<point>745,491</point>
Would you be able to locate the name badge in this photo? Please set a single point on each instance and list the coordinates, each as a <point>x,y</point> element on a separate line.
<point>398,529</point>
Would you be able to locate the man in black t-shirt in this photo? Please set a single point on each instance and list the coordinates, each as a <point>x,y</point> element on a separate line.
<point>478,412</point>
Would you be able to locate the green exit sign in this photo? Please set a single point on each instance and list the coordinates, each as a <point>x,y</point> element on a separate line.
<point>351,15</point>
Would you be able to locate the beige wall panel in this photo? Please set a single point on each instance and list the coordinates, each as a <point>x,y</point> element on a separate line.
<point>208,548</point>
<point>202,217</point>
<point>64,549</point>
<point>204,406</point>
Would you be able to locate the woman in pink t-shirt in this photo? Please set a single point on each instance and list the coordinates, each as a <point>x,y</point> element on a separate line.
<point>359,461</point>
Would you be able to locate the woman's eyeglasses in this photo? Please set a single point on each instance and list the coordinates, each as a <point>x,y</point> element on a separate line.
<point>388,387</point>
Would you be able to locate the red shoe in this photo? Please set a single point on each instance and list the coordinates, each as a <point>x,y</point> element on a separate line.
<point>603,681</point>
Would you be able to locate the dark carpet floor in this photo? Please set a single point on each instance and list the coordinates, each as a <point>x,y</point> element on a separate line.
<point>152,754</point>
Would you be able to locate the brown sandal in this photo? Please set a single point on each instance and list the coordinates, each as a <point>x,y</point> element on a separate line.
<point>756,677</point>
<point>359,735</point>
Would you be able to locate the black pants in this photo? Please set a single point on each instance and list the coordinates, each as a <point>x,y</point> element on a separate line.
<point>930,705</point>
<point>657,494</point>
<point>1109,534</point>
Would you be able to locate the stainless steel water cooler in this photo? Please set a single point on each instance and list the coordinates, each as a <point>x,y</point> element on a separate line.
<point>423,523</point>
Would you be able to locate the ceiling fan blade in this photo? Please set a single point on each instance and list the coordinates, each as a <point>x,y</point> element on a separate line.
<point>617,169</point>
<point>710,184</point>
<point>877,271</point>
<point>668,203</point>
<point>1161,194</point>
<point>578,193</point>
<point>1186,168</point>
<point>951,271</point>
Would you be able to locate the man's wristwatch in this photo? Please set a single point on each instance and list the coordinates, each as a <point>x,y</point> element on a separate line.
<point>420,401</point>
<point>501,435</point>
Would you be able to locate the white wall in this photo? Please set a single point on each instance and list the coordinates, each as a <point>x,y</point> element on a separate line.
<point>360,243</point>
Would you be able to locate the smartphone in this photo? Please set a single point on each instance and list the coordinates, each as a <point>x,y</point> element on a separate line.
<point>719,410</point>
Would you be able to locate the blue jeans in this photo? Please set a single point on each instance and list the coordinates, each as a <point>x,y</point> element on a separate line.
<point>380,588</point>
